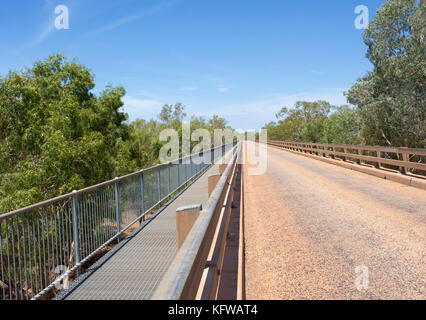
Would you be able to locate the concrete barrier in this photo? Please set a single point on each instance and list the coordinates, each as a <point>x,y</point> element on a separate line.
<point>185,219</point>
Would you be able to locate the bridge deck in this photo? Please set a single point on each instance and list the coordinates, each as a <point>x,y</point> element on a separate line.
<point>314,230</point>
<point>133,270</point>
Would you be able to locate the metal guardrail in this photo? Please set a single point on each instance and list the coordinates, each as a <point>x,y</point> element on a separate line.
<point>44,245</point>
<point>377,155</point>
<point>203,246</point>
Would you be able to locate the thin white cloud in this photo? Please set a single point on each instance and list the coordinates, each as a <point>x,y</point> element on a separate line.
<point>49,27</point>
<point>223,89</point>
<point>43,35</point>
<point>254,114</point>
<point>141,108</point>
<point>246,115</point>
<point>146,12</point>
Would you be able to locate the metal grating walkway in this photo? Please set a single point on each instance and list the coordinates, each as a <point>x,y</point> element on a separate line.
<point>134,268</point>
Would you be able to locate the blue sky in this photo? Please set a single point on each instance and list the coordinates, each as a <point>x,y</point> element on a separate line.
<point>241,59</point>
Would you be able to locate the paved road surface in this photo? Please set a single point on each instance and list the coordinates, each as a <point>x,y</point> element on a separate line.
<point>309,224</point>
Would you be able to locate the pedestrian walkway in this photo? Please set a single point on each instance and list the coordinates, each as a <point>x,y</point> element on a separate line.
<point>133,270</point>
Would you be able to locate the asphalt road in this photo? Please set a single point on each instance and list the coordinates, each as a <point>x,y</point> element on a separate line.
<point>314,230</point>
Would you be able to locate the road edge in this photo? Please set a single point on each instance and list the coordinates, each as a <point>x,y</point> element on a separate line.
<point>380,173</point>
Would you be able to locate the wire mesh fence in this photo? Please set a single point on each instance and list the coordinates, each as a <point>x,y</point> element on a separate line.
<point>44,246</point>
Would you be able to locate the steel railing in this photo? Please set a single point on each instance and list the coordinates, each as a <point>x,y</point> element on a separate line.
<point>402,159</point>
<point>183,279</point>
<point>44,246</point>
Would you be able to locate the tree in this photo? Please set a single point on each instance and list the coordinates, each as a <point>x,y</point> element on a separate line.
<point>304,122</point>
<point>391,98</point>
<point>172,115</point>
<point>217,122</point>
<point>342,126</point>
<point>55,134</point>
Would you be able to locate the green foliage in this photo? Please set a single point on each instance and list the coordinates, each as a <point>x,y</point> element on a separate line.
<point>217,122</point>
<point>172,115</point>
<point>316,122</point>
<point>304,122</point>
<point>391,98</point>
<point>55,135</point>
<point>342,126</point>
<point>389,101</point>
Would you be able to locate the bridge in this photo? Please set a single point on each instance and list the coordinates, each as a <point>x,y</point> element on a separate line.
<point>324,221</point>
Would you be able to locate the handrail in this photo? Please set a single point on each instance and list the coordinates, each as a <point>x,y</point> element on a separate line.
<point>99,185</point>
<point>322,149</point>
<point>43,244</point>
<point>182,279</point>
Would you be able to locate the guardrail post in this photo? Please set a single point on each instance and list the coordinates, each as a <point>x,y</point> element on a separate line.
<point>404,157</point>
<point>178,173</point>
<point>75,228</point>
<point>189,168</point>
<point>159,184</point>
<point>117,207</point>
<point>212,182</point>
<point>185,219</point>
<point>344,151</point>
<point>186,172</point>
<point>143,200</point>
<point>359,153</point>
<point>377,164</point>
<point>168,178</point>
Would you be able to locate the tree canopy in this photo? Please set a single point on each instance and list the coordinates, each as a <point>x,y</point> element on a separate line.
<point>391,98</point>
<point>388,103</point>
<point>56,135</point>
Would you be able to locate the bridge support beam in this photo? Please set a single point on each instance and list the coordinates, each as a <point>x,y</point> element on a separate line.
<point>185,219</point>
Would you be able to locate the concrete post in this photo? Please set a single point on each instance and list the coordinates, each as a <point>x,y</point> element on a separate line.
<point>185,219</point>
<point>222,168</point>
<point>377,164</point>
<point>404,157</point>
<point>360,153</point>
<point>212,182</point>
